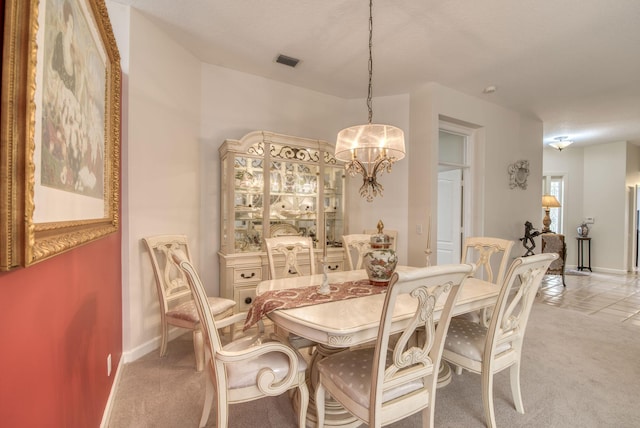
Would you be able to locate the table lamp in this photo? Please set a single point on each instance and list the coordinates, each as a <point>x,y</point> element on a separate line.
<point>548,202</point>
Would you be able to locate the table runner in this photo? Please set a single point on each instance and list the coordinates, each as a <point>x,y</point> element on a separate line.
<point>305,296</point>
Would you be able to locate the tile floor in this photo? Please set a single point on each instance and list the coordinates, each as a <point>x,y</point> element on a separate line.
<point>605,296</point>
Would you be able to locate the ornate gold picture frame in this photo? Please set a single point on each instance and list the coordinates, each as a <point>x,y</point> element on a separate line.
<point>60,129</point>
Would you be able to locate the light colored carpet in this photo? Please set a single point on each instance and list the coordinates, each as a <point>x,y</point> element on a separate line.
<point>576,372</point>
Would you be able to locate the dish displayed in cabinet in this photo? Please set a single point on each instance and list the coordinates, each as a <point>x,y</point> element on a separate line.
<point>283,229</point>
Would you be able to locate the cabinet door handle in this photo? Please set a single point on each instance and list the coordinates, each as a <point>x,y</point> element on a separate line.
<point>333,268</point>
<point>248,277</point>
<point>248,300</point>
<point>292,272</point>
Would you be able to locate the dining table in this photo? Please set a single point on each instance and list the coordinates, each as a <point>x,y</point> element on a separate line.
<point>348,322</point>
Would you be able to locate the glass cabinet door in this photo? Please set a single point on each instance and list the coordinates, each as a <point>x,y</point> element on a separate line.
<point>334,181</point>
<point>248,203</point>
<point>294,198</point>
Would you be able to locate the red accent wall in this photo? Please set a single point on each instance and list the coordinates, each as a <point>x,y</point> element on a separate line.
<point>59,319</point>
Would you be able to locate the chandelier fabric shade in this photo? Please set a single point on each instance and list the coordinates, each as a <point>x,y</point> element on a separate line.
<point>372,148</point>
<point>368,142</point>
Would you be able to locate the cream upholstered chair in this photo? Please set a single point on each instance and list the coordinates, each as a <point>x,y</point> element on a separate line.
<point>486,254</point>
<point>389,382</point>
<point>393,234</point>
<point>247,368</point>
<point>356,245</point>
<point>297,252</point>
<point>487,351</point>
<point>176,303</point>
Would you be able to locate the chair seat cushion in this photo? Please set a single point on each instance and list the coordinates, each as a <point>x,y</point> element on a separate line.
<point>351,371</point>
<point>187,310</point>
<point>467,338</point>
<point>244,373</point>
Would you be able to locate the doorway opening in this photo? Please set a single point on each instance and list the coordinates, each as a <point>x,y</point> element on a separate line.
<point>454,191</point>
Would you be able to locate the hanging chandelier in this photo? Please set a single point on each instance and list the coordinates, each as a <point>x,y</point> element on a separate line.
<point>372,148</point>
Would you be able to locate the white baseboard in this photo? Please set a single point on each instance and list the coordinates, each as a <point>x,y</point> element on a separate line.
<point>149,346</point>
<point>112,396</point>
<point>600,269</point>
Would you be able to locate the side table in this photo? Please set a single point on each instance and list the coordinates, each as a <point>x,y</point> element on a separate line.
<point>581,265</point>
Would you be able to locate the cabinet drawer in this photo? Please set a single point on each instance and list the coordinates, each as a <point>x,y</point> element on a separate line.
<point>244,297</point>
<point>333,266</point>
<point>245,275</point>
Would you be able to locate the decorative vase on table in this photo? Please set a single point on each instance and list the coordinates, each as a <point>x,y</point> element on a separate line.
<point>583,230</point>
<point>380,262</point>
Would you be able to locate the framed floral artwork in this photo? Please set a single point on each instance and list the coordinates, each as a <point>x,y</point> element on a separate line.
<point>60,155</point>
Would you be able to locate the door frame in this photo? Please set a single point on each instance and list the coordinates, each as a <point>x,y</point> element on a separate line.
<point>468,171</point>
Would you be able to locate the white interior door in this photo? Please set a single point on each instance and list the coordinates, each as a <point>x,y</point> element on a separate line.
<point>449,216</point>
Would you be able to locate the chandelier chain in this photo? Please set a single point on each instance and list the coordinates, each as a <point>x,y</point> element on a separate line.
<point>370,91</point>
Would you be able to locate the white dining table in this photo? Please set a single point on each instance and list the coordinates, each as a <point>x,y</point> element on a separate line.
<point>351,322</point>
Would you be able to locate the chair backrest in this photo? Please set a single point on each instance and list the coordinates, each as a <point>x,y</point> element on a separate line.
<point>355,247</point>
<point>511,311</point>
<point>554,243</point>
<point>291,248</point>
<point>171,283</point>
<point>393,234</point>
<point>486,254</point>
<point>412,364</point>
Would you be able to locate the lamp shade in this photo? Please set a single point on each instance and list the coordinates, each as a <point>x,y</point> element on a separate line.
<point>367,143</point>
<point>550,201</point>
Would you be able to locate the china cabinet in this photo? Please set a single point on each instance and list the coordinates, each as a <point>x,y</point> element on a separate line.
<point>273,185</point>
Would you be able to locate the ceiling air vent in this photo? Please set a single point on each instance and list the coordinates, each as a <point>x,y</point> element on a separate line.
<point>287,60</point>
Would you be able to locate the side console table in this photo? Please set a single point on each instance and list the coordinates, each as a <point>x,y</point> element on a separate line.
<point>581,265</point>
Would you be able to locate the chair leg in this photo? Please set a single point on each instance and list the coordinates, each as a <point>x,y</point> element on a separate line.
<point>164,338</point>
<point>198,349</point>
<point>320,405</point>
<point>303,395</point>
<point>208,401</point>
<point>487,398</point>
<point>514,373</point>
<point>223,410</point>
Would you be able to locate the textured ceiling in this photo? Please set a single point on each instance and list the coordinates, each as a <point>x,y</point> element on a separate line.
<point>575,64</point>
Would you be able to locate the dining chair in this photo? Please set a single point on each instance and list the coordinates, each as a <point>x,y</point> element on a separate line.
<point>297,252</point>
<point>390,381</point>
<point>356,246</point>
<point>176,303</point>
<point>489,350</point>
<point>486,254</point>
<point>249,367</point>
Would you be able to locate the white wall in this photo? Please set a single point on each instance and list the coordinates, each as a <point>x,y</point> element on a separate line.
<point>160,168</point>
<point>503,137</point>
<point>605,200</point>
